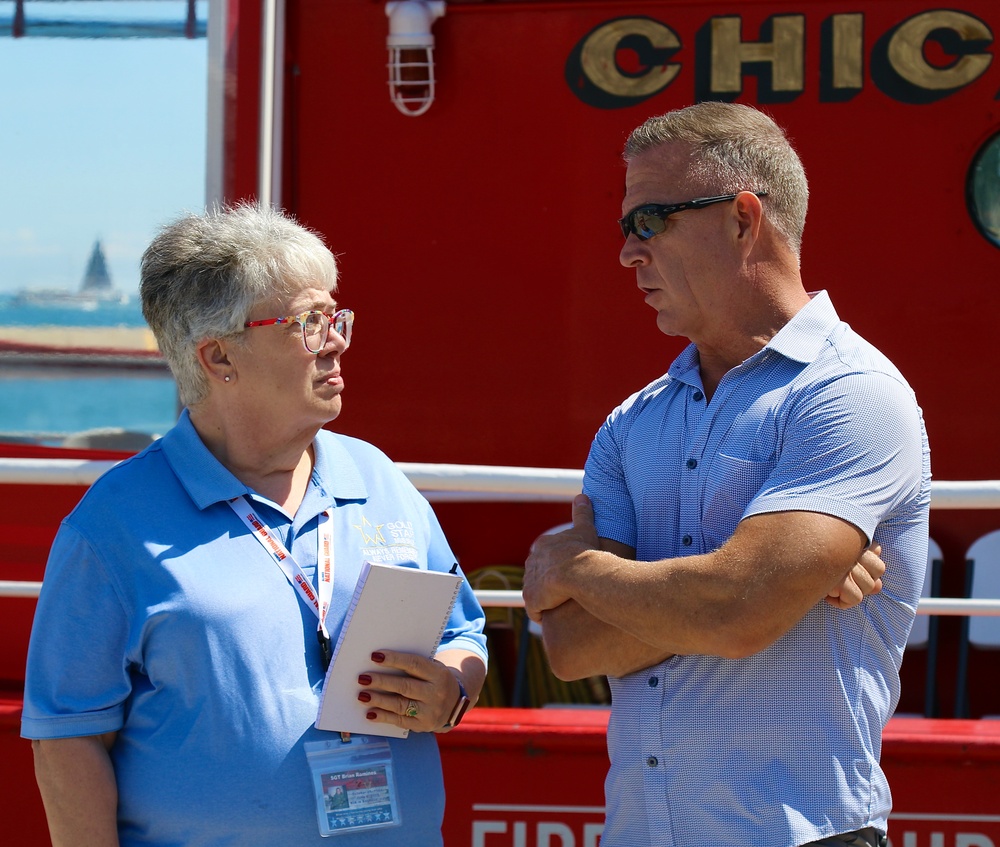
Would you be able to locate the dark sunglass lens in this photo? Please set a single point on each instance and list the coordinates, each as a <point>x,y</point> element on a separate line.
<point>647,223</point>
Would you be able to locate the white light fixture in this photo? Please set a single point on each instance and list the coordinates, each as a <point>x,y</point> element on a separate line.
<point>411,53</point>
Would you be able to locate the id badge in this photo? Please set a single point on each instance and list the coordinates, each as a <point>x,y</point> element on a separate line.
<point>354,784</point>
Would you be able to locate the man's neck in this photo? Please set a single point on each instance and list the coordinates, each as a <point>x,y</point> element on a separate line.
<point>751,328</point>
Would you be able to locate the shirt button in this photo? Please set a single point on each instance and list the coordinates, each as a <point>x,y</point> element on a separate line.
<point>652,761</point>
<point>698,396</point>
<point>653,681</point>
<point>686,540</point>
<point>692,463</point>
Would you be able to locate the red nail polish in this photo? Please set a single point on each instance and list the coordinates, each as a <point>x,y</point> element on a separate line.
<point>364,697</point>
<point>364,679</point>
<point>370,716</point>
<point>378,657</point>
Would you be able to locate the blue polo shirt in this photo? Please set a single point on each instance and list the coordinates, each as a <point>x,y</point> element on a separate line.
<point>781,748</point>
<point>163,619</point>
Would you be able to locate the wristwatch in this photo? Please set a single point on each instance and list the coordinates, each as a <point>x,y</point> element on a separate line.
<point>461,706</point>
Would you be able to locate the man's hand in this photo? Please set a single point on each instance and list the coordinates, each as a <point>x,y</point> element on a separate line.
<point>549,557</point>
<point>864,578</point>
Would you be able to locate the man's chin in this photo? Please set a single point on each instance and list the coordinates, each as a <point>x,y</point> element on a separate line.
<point>665,325</point>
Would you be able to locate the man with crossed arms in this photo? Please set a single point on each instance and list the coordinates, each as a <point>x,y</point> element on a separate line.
<point>732,497</point>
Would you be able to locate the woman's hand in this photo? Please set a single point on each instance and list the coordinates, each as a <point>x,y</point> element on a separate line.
<point>421,699</point>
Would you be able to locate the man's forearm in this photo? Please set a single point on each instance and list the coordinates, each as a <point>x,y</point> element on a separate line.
<point>732,602</point>
<point>77,783</point>
<point>579,645</point>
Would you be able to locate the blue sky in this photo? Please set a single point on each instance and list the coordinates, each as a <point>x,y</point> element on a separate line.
<point>100,138</point>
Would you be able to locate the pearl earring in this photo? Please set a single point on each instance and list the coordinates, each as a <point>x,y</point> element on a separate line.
<point>227,379</point>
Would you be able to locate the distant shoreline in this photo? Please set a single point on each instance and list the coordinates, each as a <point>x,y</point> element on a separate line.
<point>132,339</point>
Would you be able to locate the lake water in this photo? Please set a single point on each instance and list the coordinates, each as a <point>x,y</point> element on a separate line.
<point>48,403</point>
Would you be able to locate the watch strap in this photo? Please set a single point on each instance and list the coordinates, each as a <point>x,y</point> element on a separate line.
<point>461,706</point>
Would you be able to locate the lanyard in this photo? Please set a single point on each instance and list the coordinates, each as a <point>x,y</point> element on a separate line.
<point>319,600</point>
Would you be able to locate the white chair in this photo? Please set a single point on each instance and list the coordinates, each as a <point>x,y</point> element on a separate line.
<point>982,580</point>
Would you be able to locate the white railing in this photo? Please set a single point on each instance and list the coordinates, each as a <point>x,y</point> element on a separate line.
<point>465,483</point>
<point>439,483</point>
<point>470,483</point>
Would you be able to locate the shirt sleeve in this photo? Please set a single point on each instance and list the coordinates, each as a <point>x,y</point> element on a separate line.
<point>605,484</point>
<point>466,625</point>
<point>851,448</point>
<point>77,679</point>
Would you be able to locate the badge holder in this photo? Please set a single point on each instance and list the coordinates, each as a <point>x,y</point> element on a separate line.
<point>354,785</point>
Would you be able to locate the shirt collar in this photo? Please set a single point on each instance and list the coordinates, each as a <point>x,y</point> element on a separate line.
<point>685,367</point>
<point>802,338</point>
<point>207,481</point>
<point>335,470</point>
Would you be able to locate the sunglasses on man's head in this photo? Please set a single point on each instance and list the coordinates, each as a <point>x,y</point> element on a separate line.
<point>651,219</point>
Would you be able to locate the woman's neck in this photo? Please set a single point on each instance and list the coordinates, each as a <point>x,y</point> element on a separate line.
<point>277,467</point>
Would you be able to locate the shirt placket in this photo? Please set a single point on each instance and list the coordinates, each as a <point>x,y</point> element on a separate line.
<point>652,750</point>
<point>697,428</point>
<point>653,691</point>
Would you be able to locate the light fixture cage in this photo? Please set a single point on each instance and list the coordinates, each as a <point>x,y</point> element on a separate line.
<point>411,53</point>
<point>411,79</point>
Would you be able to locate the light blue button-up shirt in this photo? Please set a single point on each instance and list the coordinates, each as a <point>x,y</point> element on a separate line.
<point>161,618</point>
<point>781,748</point>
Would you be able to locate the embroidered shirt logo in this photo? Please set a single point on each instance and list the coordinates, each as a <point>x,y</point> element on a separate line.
<point>388,541</point>
<point>371,533</point>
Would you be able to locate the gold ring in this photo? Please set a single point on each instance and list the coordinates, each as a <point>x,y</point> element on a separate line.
<point>411,710</point>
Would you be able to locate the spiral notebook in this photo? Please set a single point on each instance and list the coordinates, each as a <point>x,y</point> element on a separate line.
<point>393,608</point>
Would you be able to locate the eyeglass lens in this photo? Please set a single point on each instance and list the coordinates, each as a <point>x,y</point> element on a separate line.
<point>316,329</point>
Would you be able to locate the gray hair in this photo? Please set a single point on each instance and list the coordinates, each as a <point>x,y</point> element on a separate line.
<point>203,274</point>
<point>735,148</point>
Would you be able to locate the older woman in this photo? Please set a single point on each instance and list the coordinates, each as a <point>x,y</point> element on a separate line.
<point>176,662</point>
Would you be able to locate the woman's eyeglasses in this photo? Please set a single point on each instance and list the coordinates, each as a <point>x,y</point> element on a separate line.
<point>316,327</point>
<point>646,221</point>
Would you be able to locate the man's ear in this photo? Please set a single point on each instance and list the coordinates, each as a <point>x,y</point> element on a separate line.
<point>749,213</point>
